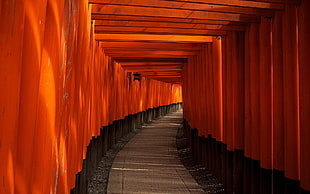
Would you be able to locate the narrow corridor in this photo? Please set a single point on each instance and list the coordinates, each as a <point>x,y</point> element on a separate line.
<point>149,163</point>
<point>76,76</point>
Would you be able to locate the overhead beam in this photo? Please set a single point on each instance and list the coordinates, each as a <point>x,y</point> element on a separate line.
<point>186,6</point>
<point>173,13</point>
<point>151,60</point>
<point>159,66</point>
<point>159,73</point>
<point>146,68</point>
<point>164,76</point>
<point>169,25</point>
<point>103,16</point>
<point>239,3</point>
<point>148,55</point>
<point>158,52</point>
<point>148,45</point>
<point>277,1</point>
<point>160,31</point>
<point>153,38</point>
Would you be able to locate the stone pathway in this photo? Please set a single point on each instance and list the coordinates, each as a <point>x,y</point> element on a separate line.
<point>149,162</point>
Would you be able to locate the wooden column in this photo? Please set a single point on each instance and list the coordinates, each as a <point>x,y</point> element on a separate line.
<point>11,44</point>
<point>247,97</point>
<point>291,94</point>
<point>238,91</point>
<point>254,90</point>
<point>265,94</point>
<point>228,133</point>
<point>30,76</point>
<point>217,72</point>
<point>278,120</point>
<point>304,72</point>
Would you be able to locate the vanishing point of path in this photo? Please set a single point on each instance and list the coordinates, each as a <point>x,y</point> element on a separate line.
<point>149,162</point>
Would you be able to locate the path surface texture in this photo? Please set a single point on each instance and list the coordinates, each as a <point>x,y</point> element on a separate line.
<point>149,163</point>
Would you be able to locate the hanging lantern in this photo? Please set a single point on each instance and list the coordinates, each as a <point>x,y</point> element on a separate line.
<point>136,76</point>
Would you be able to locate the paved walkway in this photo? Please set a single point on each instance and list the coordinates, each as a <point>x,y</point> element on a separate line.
<point>149,162</point>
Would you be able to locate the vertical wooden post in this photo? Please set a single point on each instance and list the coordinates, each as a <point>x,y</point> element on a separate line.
<point>304,72</point>
<point>278,120</point>
<point>254,90</point>
<point>265,94</point>
<point>291,94</point>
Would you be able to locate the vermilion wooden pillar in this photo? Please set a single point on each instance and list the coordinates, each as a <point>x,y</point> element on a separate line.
<point>278,120</point>
<point>253,70</point>
<point>224,87</point>
<point>233,90</point>
<point>210,87</point>
<point>217,72</point>
<point>228,133</point>
<point>238,91</point>
<point>265,94</point>
<point>247,97</point>
<point>204,89</point>
<point>30,75</point>
<point>304,72</point>
<point>198,80</point>
<point>11,42</point>
<point>291,94</point>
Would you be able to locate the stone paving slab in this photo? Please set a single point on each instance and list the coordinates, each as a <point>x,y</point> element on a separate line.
<point>149,163</point>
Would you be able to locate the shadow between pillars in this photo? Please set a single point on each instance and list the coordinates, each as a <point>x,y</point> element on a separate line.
<point>109,136</point>
<point>237,173</point>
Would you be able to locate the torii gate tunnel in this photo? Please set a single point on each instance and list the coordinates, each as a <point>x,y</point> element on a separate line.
<point>71,69</point>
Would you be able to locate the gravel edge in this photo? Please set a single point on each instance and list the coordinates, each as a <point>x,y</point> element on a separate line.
<point>98,183</point>
<point>203,177</point>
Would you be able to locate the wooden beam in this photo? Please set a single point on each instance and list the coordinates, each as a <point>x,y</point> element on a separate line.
<point>126,52</point>
<point>164,76</point>
<point>239,3</point>
<point>296,2</point>
<point>170,25</point>
<point>160,31</point>
<point>103,16</point>
<point>186,6</point>
<point>148,45</point>
<point>144,68</point>
<point>154,73</point>
<point>173,13</point>
<point>153,65</point>
<point>150,55</point>
<point>153,38</point>
<point>149,60</point>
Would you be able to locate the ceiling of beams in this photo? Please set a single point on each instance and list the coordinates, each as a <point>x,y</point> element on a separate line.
<point>156,37</point>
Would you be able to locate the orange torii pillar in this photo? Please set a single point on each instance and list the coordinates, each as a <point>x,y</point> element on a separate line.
<point>291,94</point>
<point>304,80</point>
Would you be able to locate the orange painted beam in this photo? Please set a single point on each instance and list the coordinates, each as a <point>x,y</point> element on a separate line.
<point>151,64</point>
<point>164,12</point>
<point>153,67</point>
<point>169,25</point>
<point>150,60</point>
<point>277,1</point>
<point>103,16</point>
<point>241,3</point>
<point>185,6</point>
<point>141,53</point>
<point>147,30</point>
<point>148,45</point>
<point>153,38</point>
